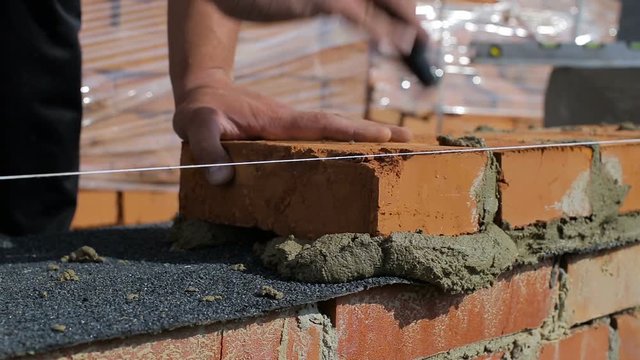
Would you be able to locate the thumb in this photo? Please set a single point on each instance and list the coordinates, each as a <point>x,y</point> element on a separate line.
<point>203,136</point>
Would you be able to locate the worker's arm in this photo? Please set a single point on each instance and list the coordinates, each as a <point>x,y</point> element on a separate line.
<point>209,107</point>
<point>391,21</point>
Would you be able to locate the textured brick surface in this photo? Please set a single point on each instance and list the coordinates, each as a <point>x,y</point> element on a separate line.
<point>96,208</point>
<point>433,193</point>
<point>258,340</point>
<point>403,322</point>
<point>602,284</point>
<point>140,207</point>
<point>591,343</point>
<point>544,185</point>
<point>629,335</point>
<point>284,336</point>
<point>189,343</point>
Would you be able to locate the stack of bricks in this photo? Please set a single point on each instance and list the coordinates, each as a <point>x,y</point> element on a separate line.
<point>310,64</point>
<point>565,306</point>
<point>107,208</point>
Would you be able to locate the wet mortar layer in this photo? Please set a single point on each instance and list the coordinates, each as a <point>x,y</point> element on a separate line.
<point>455,264</point>
<point>136,261</point>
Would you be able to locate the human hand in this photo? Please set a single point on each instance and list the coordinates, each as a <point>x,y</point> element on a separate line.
<point>392,22</point>
<point>223,111</point>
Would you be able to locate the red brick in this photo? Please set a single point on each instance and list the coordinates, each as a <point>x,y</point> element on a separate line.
<point>629,334</point>
<point>433,193</point>
<point>405,322</point>
<point>602,284</point>
<point>96,208</point>
<point>275,336</point>
<point>303,340</point>
<point>187,343</point>
<point>542,185</point>
<point>590,343</point>
<point>255,340</point>
<point>146,207</point>
<point>623,162</point>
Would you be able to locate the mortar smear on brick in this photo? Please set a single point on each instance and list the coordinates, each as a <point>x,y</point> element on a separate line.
<point>604,228</point>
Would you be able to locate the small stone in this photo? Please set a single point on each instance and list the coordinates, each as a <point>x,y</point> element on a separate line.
<point>43,294</point>
<point>53,267</point>
<point>211,298</point>
<point>65,259</point>
<point>269,292</point>
<point>123,262</point>
<point>69,275</point>
<point>238,267</point>
<point>58,328</point>
<point>133,297</point>
<point>191,289</point>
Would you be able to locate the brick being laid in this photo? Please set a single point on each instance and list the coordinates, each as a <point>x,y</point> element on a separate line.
<point>435,194</point>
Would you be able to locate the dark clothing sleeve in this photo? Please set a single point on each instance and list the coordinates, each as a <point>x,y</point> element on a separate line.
<point>40,113</point>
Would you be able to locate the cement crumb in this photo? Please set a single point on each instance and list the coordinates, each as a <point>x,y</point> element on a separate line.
<point>133,297</point>
<point>628,126</point>
<point>53,267</point>
<point>84,254</point>
<point>59,328</point>
<point>191,289</point>
<point>69,275</point>
<point>271,293</point>
<point>490,129</point>
<point>211,298</point>
<point>238,267</point>
<point>187,234</point>
<point>464,141</point>
<point>455,264</point>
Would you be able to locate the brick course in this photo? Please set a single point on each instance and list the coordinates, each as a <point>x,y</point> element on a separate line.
<point>404,322</point>
<point>601,284</point>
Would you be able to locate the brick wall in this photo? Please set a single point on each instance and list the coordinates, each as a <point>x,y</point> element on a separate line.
<point>567,306</point>
<point>532,312</point>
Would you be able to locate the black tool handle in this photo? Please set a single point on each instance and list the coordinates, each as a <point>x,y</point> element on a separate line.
<point>420,64</point>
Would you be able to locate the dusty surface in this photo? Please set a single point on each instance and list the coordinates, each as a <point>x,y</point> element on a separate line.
<point>455,264</point>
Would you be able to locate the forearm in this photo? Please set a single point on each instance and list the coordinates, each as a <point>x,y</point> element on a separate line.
<point>202,44</point>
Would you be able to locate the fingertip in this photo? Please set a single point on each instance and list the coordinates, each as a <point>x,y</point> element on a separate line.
<point>376,133</point>
<point>400,134</point>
